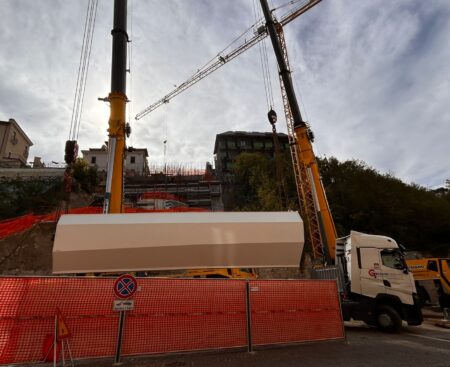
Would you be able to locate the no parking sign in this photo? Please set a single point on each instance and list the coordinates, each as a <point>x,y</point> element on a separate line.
<point>125,286</point>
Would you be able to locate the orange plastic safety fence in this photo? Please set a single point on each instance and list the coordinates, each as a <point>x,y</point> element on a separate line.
<point>287,311</point>
<point>27,315</point>
<point>186,314</point>
<point>19,224</point>
<point>170,315</point>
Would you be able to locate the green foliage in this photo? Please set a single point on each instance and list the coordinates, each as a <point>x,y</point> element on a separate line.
<point>86,177</point>
<point>255,187</point>
<point>364,200</point>
<point>360,198</point>
<point>20,197</point>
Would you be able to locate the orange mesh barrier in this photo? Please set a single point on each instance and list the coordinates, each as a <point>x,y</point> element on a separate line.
<point>286,311</point>
<point>28,309</point>
<point>19,224</point>
<point>170,315</point>
<point>186,314</point>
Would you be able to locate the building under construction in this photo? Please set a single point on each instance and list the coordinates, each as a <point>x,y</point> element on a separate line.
<point>177,185</point>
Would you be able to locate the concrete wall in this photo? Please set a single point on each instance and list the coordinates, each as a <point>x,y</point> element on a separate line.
<point>8,174</point>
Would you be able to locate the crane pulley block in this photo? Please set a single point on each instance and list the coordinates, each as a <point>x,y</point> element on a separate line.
<point>71,152</point>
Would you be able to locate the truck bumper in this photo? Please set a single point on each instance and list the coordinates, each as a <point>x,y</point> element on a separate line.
<point>413,313</point>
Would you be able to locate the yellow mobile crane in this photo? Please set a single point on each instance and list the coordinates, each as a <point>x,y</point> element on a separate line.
<point>118,128</point>
<point>320,225</point>
<point>313,200</point>
<point>432,275</point>
<point>375,283</point>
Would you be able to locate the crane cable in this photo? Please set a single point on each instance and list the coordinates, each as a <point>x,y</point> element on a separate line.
<point>83,68</point>
<point>264,64</point>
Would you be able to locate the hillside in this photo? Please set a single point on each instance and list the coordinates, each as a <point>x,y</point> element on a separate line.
<point>360,198</point>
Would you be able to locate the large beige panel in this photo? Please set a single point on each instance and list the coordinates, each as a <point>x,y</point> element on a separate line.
<point>159,241</point>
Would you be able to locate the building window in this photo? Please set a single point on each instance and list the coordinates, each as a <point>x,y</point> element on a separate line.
<point>242,143</point>
<point>258,144</point>
<point>133,160</point>
<point>93,160</point>
<point>269,145</point>
<point>231,144</point>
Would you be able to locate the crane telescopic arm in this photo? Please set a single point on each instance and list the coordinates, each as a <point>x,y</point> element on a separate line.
<point>260,34</point>
<point>312,197</point>
<point>117,99</point>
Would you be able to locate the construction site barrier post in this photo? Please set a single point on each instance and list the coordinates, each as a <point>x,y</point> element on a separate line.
<point>55,341</point>
<point>119,338</point>
<point>249,317</point>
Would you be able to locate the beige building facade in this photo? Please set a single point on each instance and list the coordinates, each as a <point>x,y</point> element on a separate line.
<point>135,163</point>
<point>14,145</point>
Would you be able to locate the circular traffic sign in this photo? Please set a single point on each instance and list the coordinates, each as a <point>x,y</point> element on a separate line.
<point>125,286</point>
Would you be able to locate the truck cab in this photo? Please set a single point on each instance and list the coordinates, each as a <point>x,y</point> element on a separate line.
<point>377,285</point>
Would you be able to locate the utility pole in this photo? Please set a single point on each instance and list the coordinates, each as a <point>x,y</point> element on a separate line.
<point>117,98</point>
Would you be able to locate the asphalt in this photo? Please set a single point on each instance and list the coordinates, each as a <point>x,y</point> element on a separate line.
<point>421,346</point>
<point>425,345</point>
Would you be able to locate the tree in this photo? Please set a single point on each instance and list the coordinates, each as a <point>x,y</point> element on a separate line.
<point>19,197</point>
<point>85,176</point>
<point>360,199</point>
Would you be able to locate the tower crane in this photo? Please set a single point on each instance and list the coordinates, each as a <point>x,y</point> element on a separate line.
<point>222,59</point>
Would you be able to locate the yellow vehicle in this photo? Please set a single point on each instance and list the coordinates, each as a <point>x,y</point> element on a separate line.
<point>432,278</point>
<point>245,273</point>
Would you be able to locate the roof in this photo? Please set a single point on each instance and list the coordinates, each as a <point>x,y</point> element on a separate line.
<point>246,134</point>
<point>16,125</point>
<point>163,241</point>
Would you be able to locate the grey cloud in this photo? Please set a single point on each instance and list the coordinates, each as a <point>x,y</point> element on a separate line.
<point>373,78</point>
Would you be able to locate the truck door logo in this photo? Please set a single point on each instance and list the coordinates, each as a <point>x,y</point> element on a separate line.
<point>372,273</point>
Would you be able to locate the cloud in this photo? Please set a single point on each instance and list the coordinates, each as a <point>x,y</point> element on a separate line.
<point>373,78</point>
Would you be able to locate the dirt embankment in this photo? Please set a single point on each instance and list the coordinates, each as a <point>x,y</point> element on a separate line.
<point>28,252</point>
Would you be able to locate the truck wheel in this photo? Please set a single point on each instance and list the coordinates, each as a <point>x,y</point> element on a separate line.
<point>388,319</point>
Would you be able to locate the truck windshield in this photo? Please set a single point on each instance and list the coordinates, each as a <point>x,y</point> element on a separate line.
<point>393,259</point>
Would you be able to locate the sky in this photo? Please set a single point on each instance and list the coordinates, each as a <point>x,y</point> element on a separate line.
<point>372,77</point>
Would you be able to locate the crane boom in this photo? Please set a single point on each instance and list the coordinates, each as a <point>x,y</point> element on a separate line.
<point>261,33</point>
<point>312,197</point>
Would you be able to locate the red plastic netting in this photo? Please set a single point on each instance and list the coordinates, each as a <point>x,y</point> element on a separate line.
<point>170,315</point>
<point>19,224</point>
<point>286,311</point>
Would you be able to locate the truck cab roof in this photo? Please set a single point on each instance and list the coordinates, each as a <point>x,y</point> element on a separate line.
<point>359,239</point>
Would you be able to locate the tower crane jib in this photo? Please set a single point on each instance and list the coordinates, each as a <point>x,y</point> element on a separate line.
<point>222,59</point>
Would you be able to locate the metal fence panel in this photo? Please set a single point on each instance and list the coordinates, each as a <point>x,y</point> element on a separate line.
<point>170,315</point>
<point>292,311</point>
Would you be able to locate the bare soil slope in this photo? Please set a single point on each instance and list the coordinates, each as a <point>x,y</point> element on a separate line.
<point>28,252</point>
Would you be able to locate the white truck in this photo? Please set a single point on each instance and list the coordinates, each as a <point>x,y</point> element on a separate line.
<point>375,284</point>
